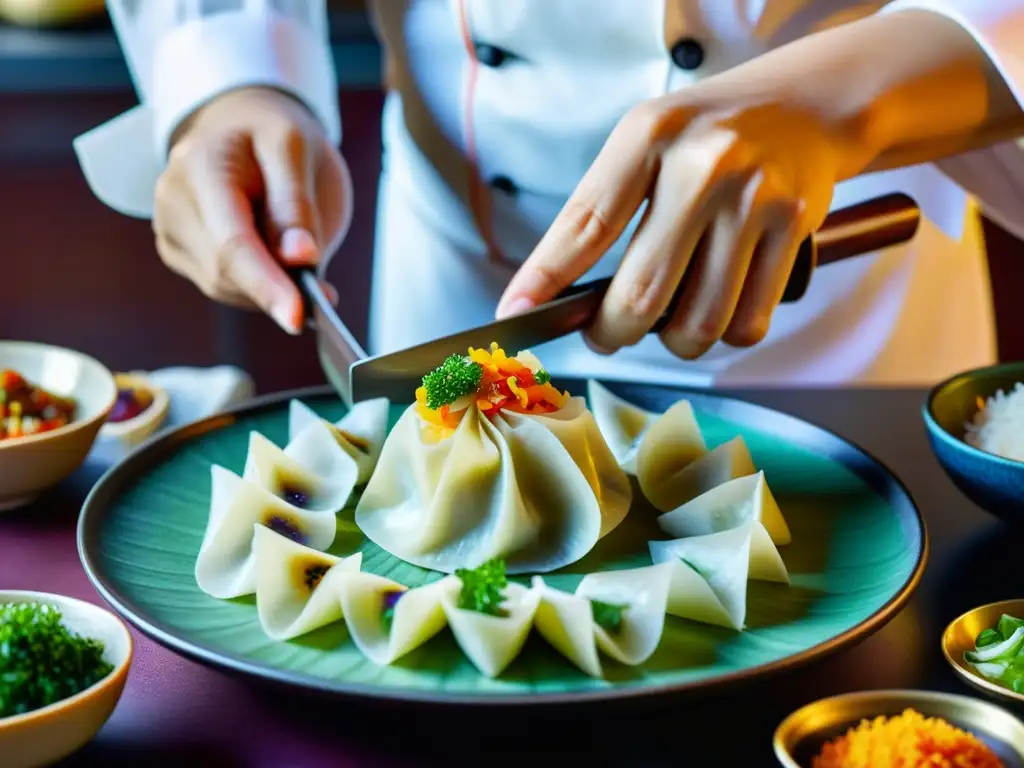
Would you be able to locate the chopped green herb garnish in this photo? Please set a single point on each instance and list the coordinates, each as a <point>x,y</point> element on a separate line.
<point>542,376</point>
<point>988,637</point>
<point>483,588</point>
<point>454,378</point>
<point>1008,625</point>
<point>607,615</point>
<point>1017,685</point>
<point>41,660</point>
<point>700,571</point>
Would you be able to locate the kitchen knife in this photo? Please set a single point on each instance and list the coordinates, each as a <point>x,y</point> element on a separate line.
<point>863,228</point>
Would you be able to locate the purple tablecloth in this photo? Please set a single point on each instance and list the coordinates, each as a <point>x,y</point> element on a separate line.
<point>177,712</point>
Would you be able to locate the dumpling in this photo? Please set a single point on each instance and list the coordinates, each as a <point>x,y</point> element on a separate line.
<point>297,588</point>
<point>668,441</point>
<point>387,620</point>
<point>629,610</point>
<point>622,613</point>
<point>733,504</point>
<point>667,488</point>
<point>493,462</point>
<point>360,433</point>
<point>225,567</point>
<point>310,473</point>
<point>491,640</point>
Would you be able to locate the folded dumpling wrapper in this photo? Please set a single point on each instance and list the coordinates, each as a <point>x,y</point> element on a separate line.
<point>644,592</point>
<point>311,473</point>
<point>492,642</point>
<point>225,567</point>
<point>360,433</point>
<point>535,491</point>
<point>297,587</point>
<point>566,621</point>
<point>667,488</point>
<point>667,441</point>
<point>417,614</point>
<point>708,577</point>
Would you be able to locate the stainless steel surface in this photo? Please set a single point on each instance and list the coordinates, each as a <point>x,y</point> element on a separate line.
<point>336,343</point>
<point>862,228</point>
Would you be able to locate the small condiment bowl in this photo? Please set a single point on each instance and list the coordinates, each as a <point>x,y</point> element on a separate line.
<point>131,432</point>
<point>30,465</point>
<point>801,736</point>
<point>994,483</point>
<point>44,736</point>
<point>960,636</point>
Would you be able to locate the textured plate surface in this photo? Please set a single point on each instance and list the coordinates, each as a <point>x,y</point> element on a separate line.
<point>859,547</point>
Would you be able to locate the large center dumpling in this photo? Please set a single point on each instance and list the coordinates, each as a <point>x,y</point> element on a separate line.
<point>535,487</point>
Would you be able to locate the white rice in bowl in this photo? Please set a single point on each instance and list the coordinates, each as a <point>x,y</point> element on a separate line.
<point>998,426</point>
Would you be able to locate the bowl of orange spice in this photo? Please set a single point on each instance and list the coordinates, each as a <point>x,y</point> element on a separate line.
<point>904,729</point>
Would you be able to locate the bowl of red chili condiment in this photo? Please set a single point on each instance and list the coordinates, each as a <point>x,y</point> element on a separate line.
<point>53,402</point>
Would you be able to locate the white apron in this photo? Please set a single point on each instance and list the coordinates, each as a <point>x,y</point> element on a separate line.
<point>495,110</point>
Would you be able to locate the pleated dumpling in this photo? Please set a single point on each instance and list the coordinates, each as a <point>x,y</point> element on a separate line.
<point>225,567</point>
<point>297,587</point>
<point>733,504</point>
<point>312,472</point>
<point>387,620</point>
<point>668,488</point>
<point>671,439</point>
<point>360,433</point>
<point>620,613</point>
<point>493,462</point>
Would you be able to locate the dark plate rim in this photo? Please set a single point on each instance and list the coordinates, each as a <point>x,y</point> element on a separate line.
<point>869,468</point>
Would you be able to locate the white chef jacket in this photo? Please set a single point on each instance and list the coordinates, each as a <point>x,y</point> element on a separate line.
<point>496,108</point>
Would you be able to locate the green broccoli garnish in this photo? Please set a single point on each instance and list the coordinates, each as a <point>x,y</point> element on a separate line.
<point>483,588</point>
<point>607,615</point>
<point>542,376</point>
<point>41,660</point>
<point>455,377</point>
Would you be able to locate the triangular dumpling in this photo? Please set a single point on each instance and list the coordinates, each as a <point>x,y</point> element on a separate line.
<point>642,596</point>
<point>622,424</point>
<point>311,473</point>
<point>387,620</point>
<point>492,642</point>
<point>360,433</point>
<point>296,586</point>
<point>670,444</point>
<point>225,567</point>
<point>709,575</point>
<point>669,489</point>
<point>730,505</point>
<point>566,621</point>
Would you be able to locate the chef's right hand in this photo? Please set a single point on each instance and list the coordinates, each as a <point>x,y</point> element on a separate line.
<point>252,186</point>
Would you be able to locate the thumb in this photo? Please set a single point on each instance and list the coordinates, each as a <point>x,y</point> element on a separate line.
<point>291,220</point>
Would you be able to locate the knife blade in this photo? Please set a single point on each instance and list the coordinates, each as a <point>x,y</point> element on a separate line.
<point>848,232</point>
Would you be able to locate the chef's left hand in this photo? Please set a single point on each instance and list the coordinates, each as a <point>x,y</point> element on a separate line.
<point>752,173</point>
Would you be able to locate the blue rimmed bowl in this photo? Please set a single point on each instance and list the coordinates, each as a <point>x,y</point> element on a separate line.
<point>994,483</point>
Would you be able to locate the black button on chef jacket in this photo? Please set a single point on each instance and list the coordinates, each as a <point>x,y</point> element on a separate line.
<point>688,53</point>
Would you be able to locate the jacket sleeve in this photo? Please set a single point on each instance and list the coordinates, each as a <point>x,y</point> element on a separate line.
<point>181,54</point>
<point>995,176</point>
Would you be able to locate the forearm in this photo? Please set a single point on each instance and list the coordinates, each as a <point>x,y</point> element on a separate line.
<point>907,87</point>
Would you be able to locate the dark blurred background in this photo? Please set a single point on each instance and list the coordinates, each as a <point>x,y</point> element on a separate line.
<point>77,274</point>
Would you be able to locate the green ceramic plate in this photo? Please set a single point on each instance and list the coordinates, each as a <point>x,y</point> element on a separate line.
<point>859,547</point>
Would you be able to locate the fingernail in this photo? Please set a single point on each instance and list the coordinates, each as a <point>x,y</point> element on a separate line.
<point>516,306</point>
<point>596,348</point>
<point>298,246</point>
<point>285,316</point>
<point>332,294</point>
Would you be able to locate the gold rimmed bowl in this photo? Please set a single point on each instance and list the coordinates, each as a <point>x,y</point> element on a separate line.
<point>801,736</point>
<point>960,637</point>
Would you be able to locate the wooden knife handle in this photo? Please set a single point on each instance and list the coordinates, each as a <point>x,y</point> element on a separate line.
<point>863,228</point>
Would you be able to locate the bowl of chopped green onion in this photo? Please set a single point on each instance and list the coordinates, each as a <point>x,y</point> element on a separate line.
<point>985,646</point>
<point>63,665</point>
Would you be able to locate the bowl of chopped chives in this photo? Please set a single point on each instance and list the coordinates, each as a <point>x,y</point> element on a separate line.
<point>975,424</point>
<point>63,666</point>
<point>905,728</point>
<point>985,647</point>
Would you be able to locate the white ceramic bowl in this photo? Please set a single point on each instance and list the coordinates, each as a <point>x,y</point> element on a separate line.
<point>46,735</point>
<point>30,465</point>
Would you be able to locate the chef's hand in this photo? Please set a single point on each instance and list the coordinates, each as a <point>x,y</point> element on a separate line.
<point>252,186</point>
<point>750,176</point>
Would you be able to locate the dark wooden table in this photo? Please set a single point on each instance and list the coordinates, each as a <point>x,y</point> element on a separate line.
<point>176,712</point>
